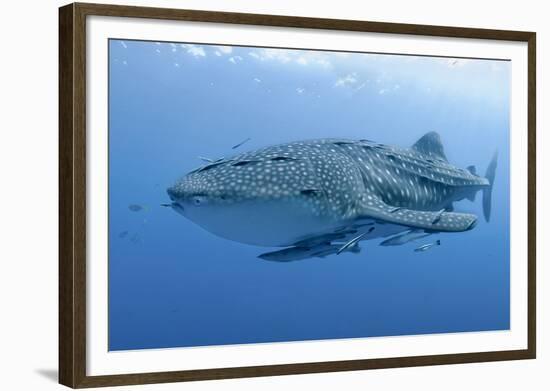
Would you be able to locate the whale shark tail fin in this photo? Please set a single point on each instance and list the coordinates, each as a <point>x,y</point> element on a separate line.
<point>487,192</point>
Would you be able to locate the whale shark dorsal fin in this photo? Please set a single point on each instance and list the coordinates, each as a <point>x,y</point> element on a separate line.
<point>430,144</point>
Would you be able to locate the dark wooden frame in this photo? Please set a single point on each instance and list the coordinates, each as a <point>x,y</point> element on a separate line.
<point>72,194</point>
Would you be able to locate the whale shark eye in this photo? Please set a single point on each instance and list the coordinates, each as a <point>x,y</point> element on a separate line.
<point>198,200</point>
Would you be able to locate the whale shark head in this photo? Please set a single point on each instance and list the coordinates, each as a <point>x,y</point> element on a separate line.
<point>262,199</point>
<point>203,197</point>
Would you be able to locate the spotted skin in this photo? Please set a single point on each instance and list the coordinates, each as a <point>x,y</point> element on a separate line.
<point>293,192</point>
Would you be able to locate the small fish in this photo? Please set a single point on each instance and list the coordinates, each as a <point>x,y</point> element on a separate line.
<point>135,207</point>
<point>403,238</point>
<point>206,159</point>
<point>426,247</point>
<point>353,241</point>
<point>395,209</point>
<point>319,240</point>
<point>211,161</point>
<point>297,253</point>
<point>294,253</point>
<point>123,234</point>
<point>359,225</point>
<point>209,166</point>
<point>241,143</point>
<point>437,216</point>
<point>354,249</point>
<point>135,238</point>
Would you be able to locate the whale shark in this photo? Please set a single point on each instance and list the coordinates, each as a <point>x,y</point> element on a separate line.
<point>322,197</point>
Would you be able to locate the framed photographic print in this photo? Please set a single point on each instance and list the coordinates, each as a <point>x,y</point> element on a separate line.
<point>250,195</point>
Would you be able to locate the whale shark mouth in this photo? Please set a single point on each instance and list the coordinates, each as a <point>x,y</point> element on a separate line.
<point>176,206</point>
<point>172,204</point>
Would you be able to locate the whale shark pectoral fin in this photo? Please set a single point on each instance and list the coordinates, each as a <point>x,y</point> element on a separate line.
<point>288,254</point>
<point>438,221</point>
<point>298,253</point>
<point>403,238</point>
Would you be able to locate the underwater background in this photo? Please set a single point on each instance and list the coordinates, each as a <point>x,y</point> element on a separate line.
<point>172,284</point>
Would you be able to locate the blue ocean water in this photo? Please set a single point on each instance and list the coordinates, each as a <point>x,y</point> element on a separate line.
<point>172,284</point>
